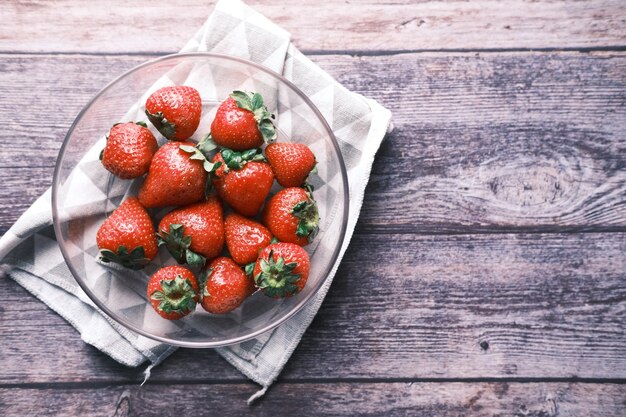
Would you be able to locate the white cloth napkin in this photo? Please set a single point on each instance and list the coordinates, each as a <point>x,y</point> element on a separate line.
<point>30,254</point>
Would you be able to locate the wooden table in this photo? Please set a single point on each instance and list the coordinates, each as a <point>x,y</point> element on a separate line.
<point>487,275</point>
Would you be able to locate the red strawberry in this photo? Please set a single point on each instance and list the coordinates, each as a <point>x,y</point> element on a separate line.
<point>282,270</point>
<point>194,232</point>
<point>292,216</point>
<point>175,178</point>
<point>129,150</point>
<point>175,111</point>
<point>291,162</point>
<point>173,292</point>
<point>127,237</point>
<point>245,238</point>
<point>243,122</point>
<point>242,181</point>
<point>226,286</point>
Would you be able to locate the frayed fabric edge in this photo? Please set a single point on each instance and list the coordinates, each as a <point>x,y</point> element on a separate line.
<point>147,372</point>
<point>257,395</point>
<point>154,362</point>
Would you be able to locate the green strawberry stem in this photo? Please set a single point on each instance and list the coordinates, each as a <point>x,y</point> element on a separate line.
<point>198,155</point>
<point>134,259</point>
<point>176,296</point>
<point>167,128</point>
<point>253,102</point>
<point>249,268</point>
<point>204,277</point>
<point>200,152</point>
<point>206,145</point>
<point>309,217</point>
<point>236,160</point>
<point>276,277</point>
<point>194,259</point>
<point>178,245</point>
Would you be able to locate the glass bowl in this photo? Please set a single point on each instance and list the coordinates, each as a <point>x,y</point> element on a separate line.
<point>84,194</point>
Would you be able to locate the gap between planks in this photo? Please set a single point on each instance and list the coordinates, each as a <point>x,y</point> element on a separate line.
<point>405,24</point>
<point>216,381</point>
<point>349,52</point>
<point>484,400</point>
<point>443,167</point>
<point>539,307</point>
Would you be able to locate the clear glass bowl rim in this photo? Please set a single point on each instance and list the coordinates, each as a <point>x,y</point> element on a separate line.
<point>268,327</point>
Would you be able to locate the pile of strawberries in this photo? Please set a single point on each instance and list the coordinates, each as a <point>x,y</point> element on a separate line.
<point>227,168</point>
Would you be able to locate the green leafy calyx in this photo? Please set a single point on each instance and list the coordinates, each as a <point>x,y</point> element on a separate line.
<point>276,277</point>
<point>167,128</point>
<point>135,259</point>
<point>249,268</point>
<point>236,160</point>
<point>206,145</point>
<point>204,277</point>
<point>253,102</point>
<point>309,216</point>
<point>177,243</point>
<point>200,152</point>
<point>198,155</point>
<point>176,296</point>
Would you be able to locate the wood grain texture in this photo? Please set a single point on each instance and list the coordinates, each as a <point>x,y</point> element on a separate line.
<point>147,26</point>
<point>435,310</point>
<point>547,305</point>
<point>507,142</point>
<point>41,347</point>
<point>495,142</point>
<point>335,399</point>
<point>472,306</point>
<point>20,188</point>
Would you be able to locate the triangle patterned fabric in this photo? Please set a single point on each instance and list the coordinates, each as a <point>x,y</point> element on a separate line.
<point>30,254</point>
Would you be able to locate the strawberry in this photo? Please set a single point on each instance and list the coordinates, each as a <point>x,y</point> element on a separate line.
<point>245,238</point>
<point>127,237</point>
<point>292,216</point>
<point>195,232</point>
<point>175,178</point>
<point>175,111</point>
<point>225,287</point>
<point>243,122</point>
<point>291,162</point>
<point>129,150</point>
<point>173,292</point>
<point>242,180</point>
<point>282,270</point>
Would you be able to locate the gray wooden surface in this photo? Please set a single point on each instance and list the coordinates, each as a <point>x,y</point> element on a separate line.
<point>487,275</point>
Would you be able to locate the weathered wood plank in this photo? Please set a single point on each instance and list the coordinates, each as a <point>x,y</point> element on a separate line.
<point>42,99</point>
<point>467,91</point>
<point>509,141</point>
<point>336,399</point>
<point>506,142</point>
<point>143,26</point>
<point>40,346</point>
<point>403,306</point>
<point>20,188</point>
